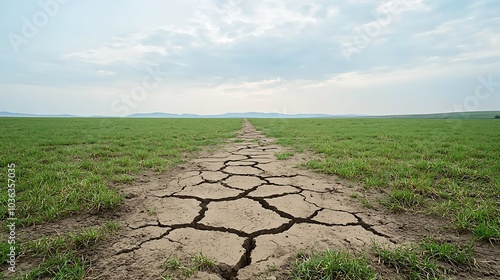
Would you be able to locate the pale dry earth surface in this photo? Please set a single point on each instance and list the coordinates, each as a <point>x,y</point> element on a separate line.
<point>249,212</point>
<point>246,210</point>
<point>242,208</point>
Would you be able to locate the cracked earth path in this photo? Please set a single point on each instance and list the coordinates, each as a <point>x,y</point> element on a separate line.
<point>241,207</point>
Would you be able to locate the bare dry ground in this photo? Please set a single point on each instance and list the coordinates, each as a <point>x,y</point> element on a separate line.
<point>249,212</point>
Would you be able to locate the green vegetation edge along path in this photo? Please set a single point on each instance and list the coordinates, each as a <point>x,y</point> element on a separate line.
<point>450,168</point>
<point>66,166</point>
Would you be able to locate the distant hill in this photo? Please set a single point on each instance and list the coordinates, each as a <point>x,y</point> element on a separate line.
<point>21,115</point>
<point>249,115</point>
<point>454,115</point>
<point>168,115</point>
<point>256,115</point>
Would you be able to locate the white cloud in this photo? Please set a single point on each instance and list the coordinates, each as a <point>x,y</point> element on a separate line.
<point>264,87</point>
<point>134,49</point>
<point>222,22</point>
<point>473,56</point>
<point>397,6</point>
<point>104,72</point>
<point>115,53</point>
<point>470,37</point>
<point>447,28</point>
<point>233,21</point>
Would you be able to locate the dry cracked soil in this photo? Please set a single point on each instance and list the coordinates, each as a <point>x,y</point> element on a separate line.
<point>246,210</point>
<point>240,207</point>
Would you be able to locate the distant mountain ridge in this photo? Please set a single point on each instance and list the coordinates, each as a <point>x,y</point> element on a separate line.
<point>249,115</point>
<point>190,116</point>
<point>256,115</point>
<point>451,115</point>
<point>10,114</point>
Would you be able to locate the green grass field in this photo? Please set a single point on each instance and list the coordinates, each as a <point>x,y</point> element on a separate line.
<point>66,166</point>
<point>449,168</point>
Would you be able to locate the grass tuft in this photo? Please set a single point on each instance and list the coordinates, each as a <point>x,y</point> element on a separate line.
<point>85,238</point>
<point>426,259</point>
<point>331,265</point>
<point>284,155</point>
<point>402,200</point>
<point>408,261</point>
<point>174,267</point>
<point>46,246</point>
<point>59,266</point>
<point>60,254</point>
<point>453,254</point>
<point>203,262</point>
<point>172,263</point>
<point>4,250</point>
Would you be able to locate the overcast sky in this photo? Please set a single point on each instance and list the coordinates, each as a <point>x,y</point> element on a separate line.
<point>216,56</point>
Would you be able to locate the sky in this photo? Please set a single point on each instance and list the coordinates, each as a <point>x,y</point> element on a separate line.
<point>114,58</point>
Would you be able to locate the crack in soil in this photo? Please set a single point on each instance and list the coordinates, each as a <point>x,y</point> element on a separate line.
<point>137,247</point>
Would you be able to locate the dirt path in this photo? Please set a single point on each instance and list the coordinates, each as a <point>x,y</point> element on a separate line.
<point>241,207</point>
